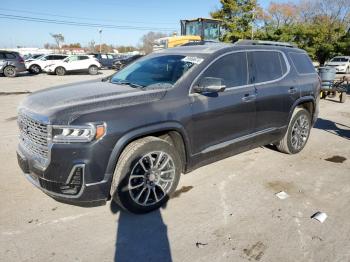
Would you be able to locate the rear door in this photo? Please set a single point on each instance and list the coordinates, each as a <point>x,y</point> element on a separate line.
<point>276,92</point>
<point>218,119</point>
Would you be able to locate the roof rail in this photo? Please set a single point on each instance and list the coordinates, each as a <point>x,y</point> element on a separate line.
<point>260,42</point>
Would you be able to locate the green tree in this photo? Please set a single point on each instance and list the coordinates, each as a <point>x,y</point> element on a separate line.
<point>238,17</point>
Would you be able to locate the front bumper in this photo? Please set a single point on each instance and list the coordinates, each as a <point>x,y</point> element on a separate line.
<point>71,176</point>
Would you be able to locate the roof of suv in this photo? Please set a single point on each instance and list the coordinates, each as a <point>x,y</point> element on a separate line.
<point>212,47</point>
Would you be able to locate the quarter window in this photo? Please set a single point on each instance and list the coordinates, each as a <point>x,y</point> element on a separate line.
<point>266,66</point>
<point>232,69</point>
<point>302,63</point>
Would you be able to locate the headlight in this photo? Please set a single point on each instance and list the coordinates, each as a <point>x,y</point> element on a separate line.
<point>76,134</point>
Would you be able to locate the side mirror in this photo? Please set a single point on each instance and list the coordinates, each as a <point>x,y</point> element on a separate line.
<point>209,85</point>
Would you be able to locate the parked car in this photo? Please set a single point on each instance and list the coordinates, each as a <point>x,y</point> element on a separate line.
<point>168,113</point>
<point>37,66</point>
<point>106,60</point>
<point>74,63</point>
<point>340,63</point>
<point>120,63</point>
<point>32,57</point>
<point>11,63</point>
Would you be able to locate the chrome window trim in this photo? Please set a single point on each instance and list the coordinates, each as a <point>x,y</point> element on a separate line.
<point>190,93</point>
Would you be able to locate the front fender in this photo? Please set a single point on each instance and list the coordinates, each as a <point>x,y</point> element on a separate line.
<point>138,133</point>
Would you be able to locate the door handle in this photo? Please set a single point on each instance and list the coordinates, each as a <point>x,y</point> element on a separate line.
<point>248,97</point>
<point>292,90</point>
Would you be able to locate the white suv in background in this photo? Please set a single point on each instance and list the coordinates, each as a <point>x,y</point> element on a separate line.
<point>36,66</point>
<point>340,63</point>
<point>74,63</point>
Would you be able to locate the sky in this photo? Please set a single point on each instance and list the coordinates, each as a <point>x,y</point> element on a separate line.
<point>142,16</point>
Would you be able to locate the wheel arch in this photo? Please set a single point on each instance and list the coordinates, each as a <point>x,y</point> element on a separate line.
<point>172,132</point>
<point>307,102</point>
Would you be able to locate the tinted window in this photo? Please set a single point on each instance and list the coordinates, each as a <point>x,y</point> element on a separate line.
<point>339,59</point>
<point>83,57</point>
<point>10,56</point>
<point>2,56</point>
<point>302,63</point>
<point>266,66</point>
<point>232,69</point>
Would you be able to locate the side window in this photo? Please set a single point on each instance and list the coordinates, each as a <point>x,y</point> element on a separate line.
<point>302,63</point>
<point>10,56</point>
<point>231,68</point>
<point>266,66</point>
<point>83,57</point>
<point>2,56</point>
<point>104,56</point>
<point>73,58</point>
<point>61,57</point>
<point>49,57</point>
<point>110,57</point>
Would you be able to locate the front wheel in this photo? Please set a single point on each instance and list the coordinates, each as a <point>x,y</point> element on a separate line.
<point>93,70</point>
<point>60,71</point>
<point>297,133</point>
<point>147,173</point>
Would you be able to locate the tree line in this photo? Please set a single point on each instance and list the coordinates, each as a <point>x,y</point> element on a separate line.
<point>321,27</point>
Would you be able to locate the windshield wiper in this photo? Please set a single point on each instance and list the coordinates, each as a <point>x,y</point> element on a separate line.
<point>129,84</point>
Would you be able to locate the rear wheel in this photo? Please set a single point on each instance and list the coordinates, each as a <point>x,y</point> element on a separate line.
<point>35,69</point>
<point>147,173</point>
<point>93,70</point>
<point>10,71</point>
<point>60,71</point>
<point>297,133</point>
<point>342,97</point>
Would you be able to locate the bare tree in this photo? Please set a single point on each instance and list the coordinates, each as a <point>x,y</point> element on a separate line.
<point>59,39</point>
<point>148,40</point>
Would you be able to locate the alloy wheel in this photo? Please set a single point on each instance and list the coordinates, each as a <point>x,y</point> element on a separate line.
<point>300,132</point>
<point>151,178</point>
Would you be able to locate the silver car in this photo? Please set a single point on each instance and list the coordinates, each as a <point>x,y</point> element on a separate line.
<point>11,63</point>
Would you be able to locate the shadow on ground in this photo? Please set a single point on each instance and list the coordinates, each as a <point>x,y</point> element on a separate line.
<point>141,237</point>
<point>333,128</point>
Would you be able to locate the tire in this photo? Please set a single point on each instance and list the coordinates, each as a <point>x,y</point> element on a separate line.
<point>342,97</point>
<point>296,137</point>
<point>93,70</point>
<point>35,69</point>
<point>332,94</point>
<point>10,71</point>
<point>148,182</point>
<point>323,95</point>
<point>60,71</point>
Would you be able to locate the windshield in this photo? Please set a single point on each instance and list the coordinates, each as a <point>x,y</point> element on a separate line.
<point>162,70</point>
<point>340,59</point>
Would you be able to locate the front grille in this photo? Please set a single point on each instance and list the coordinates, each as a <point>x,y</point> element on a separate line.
<point>33,135</point>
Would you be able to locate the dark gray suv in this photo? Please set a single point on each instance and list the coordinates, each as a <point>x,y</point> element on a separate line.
<point>11,63</point>
<point>130,136</point>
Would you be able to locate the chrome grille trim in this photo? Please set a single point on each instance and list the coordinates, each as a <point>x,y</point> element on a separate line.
<point>33,135</point>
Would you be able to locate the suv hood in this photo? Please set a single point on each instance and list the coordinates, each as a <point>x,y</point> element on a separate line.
<point>63,104</point>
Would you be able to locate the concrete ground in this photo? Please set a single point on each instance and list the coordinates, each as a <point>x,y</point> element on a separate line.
<point>226,211</point>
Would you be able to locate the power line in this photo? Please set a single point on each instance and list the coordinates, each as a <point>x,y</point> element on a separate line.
<point>82,18</point>
<point>81,24</point>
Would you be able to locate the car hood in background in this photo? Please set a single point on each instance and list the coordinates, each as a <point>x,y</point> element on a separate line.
<point>63,104</point>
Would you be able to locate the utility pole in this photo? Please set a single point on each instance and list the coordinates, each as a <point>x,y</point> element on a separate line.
<point>100,31</point>
<point>252,37</point>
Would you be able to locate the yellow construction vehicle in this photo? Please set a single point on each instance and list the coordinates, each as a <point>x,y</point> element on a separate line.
<point>194,30</point>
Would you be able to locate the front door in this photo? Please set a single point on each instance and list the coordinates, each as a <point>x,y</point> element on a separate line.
<point>221,118</point>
